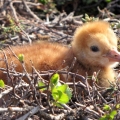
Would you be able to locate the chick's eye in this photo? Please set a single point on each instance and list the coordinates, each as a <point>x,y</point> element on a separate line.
<point>94,48</point>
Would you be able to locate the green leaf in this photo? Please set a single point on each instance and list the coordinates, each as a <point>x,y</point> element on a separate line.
<point>118,106</point>
<point>69,92</point>
<point>21,57</point>
<point>60,97</point>
<point>65,89</point>
<point>2,84</point>
<point>59,91</point>
<point>63,98</point>
<point>56,94</point>
<point>62,88</point>
<point>113,113</point>
<point>41,84</point>
<point>103,118</point>
<point>54,81</point>
<point>106,107</point>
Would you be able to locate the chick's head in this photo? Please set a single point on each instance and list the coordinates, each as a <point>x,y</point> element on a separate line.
<point>95,44</point>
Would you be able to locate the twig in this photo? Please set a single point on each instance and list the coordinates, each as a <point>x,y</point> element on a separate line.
<point>30,12</point>
<point>88,109</point>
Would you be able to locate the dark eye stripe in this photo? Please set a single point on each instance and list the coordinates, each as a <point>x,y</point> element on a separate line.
<point>94,48</point>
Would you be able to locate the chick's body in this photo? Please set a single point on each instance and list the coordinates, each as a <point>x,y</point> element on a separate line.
<point>94,46</point>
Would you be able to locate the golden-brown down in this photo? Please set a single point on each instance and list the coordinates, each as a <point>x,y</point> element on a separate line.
<point>94,45</point>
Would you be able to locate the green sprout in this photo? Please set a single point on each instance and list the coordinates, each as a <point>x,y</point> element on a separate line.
<point>21,57</point>
<point>2,84</point>
<point>61,93</point>
<point>110,113</point>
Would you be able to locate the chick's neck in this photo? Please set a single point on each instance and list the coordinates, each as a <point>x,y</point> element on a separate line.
<point>82,67</point>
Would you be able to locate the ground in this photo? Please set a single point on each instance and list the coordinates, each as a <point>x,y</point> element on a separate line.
<point>20,24</point>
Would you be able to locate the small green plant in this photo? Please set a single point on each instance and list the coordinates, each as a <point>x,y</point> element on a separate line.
<point>2,84</point>
<point>21,57</point>
<point>11,26</point>
<point>89,19</point>
<point>61,93</point>
<point>110,113</point>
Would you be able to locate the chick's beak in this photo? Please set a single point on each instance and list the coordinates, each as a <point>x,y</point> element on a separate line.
<point>113,55</point>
